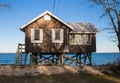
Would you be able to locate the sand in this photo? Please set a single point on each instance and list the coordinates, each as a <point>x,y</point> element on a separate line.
<point>47,70</point>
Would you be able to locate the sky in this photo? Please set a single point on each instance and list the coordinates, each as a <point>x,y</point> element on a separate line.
<point>22,11</point>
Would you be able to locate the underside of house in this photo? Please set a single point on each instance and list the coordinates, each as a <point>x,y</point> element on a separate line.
<point>50,41</point>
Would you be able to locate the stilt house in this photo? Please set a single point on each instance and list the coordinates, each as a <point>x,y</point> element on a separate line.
<point>48,34</point>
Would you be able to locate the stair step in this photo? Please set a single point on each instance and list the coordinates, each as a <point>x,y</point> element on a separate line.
<point>20,55</point>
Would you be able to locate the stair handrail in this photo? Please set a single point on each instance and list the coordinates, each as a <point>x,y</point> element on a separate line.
<point>19,51</point>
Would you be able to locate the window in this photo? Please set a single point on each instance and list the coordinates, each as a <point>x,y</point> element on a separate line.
<point>80,39</point>
<point>72,40</point>
<point>47,17</point>
<point>36,35</point>
<point>57,35</point>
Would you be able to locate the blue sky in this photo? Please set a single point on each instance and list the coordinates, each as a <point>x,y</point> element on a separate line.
<point>22,11</point>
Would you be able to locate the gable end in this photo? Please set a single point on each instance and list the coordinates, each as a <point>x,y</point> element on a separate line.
<point>45,13</point>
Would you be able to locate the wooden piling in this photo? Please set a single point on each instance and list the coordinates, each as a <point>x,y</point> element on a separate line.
<point>40,58</point>
<point>63,59</point>
<point>58,59</point>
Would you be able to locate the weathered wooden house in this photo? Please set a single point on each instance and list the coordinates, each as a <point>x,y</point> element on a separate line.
<point>49,35</point>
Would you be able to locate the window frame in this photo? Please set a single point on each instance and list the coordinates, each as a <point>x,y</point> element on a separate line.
<point>33,36</point>
<point>61,36</point>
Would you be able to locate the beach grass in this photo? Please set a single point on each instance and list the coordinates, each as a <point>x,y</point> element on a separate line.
<point>60,78</point>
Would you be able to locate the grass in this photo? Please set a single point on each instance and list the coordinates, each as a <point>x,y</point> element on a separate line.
<point>60,78</point>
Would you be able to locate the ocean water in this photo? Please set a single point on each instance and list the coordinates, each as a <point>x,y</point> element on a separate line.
<point>97,58</point>
<point>105,58</point>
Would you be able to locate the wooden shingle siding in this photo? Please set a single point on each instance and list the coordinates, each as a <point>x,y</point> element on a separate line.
<point>54,35</point>
<point>84,48</point>
<point>47,46</point>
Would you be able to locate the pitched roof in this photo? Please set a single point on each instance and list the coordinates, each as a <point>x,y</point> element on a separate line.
<point>83,28</point>
<point>47,12</point>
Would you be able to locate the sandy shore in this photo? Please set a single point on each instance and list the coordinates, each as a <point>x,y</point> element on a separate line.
<point>48,70</point>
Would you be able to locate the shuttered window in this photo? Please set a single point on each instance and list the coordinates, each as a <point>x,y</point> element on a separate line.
<point>36,35</point>
<point>57,35</point>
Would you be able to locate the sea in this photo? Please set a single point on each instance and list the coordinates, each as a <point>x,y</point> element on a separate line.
<point>97,58</point>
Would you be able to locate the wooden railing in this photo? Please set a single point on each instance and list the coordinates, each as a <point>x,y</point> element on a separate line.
<point>21,56</point>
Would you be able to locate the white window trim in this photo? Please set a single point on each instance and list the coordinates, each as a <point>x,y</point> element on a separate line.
<point>61,36</point>
<point>32,36</point>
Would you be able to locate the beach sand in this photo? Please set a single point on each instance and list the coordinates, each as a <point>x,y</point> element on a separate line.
<point>47,70</point>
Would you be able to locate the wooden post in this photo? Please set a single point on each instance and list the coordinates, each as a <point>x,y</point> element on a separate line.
<point>80,58</point>
<point>53,58</point>
<point>40,58</point>
<point>76,58</point>
<point>85,57</point>
<point>35,58</point>
<point>62,59</point>
<point>58,59</point>
<point>90,58</point>
<point>31,62</point>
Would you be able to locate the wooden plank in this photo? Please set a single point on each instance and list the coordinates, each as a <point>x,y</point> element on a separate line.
<point>63,59</point>
<point>72,59</point>
<point>53,58</point>
<point>80,58</point>
<point>90,58</point>
<point>47,57</point>
<point>76,58</point>
<point>40,59</point>
<point>85,58</point>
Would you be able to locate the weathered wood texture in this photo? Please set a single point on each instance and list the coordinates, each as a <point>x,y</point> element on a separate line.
<point>84,48</point>
<point>47,46</point>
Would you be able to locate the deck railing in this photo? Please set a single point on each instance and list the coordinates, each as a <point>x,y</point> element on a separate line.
<point>21,56</point>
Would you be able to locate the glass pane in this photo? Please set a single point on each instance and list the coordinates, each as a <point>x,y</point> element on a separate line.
<point>57,34</point>
<point>37,35</point>
<point>72,40</point>
<point>78,39</point>
<point>81,39</point>
<point>88,39</point>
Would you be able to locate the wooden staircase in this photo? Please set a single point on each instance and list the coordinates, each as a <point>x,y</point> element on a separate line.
<point>21,56</point>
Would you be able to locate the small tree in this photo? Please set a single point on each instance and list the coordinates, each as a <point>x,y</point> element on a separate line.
<point>112,10</point>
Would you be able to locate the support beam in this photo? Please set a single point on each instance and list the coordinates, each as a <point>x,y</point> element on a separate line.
<point>60,59</point>
<point>70,57</point>
<point>80,58</point>
<point>48,58</point>
<point>85,57</point>
<point>90,58</point>
<point>40,58</point>
<point>63,59</point>
<point>76,58</point>
<point>53,58</point>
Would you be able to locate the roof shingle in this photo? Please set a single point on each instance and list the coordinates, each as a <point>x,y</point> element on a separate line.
<point>83,28</point>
